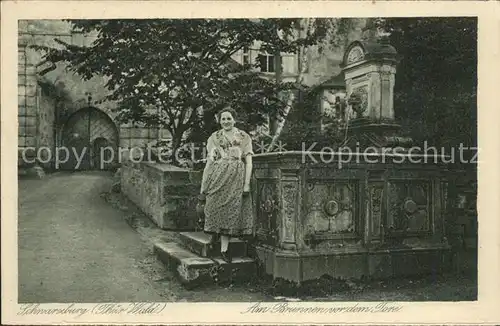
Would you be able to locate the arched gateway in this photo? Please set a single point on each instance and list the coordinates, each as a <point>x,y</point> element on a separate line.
<point>87,135</point>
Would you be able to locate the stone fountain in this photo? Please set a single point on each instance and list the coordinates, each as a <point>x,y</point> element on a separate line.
<point>375,210</point>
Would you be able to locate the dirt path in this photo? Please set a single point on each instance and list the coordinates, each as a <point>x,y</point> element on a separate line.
<point>74,247</point>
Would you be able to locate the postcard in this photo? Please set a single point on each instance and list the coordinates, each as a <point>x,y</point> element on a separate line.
<point>250,162</point>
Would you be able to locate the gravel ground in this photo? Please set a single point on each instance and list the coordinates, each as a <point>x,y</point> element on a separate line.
<point>78,242</point>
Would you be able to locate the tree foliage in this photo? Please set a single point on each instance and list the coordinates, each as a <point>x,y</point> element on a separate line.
<point>177,73</point>
<point>436,80</point>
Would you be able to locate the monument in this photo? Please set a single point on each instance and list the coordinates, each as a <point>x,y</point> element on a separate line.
<point>376,210</point>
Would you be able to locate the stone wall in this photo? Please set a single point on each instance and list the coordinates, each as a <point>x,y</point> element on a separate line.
<point>167,194</point>
<point>42,115</point>
<point>46,125</point>
<point>27,111</point>
<point>131,137</point>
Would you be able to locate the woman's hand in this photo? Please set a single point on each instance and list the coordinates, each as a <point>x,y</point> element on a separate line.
<point>246,188</point>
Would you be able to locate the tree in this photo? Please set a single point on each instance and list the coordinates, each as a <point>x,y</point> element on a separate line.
<point>177,73</point>
<point>336,35</point>
<point>436,82</point>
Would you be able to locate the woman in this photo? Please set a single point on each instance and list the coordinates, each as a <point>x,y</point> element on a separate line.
<point>226,183</point>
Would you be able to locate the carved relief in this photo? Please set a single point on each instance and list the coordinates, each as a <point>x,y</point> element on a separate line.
<point>289,208</point>
<point>409,206</point>
<point>376,209</point>
<point>356,54</point>
<point>315,196</point>
<point>331,208</point>
<point>359,100</point>
<point>267,211</point>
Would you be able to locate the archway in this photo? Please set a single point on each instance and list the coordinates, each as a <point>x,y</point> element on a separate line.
<point>102,153</point>
<point>85,135</point>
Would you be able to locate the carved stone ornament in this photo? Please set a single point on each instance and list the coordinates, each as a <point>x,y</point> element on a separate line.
<point>268,209</point>
<point>356,54</point>
<point>331,208</point>
<point>268,206</point>
<point>410,206</point>
<point>359,100</point>
<point>289,202</point>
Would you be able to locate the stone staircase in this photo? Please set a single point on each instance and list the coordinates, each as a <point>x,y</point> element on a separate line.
<point>196,262</point>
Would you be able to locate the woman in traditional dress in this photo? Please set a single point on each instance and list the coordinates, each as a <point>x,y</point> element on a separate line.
<point>225,185</point>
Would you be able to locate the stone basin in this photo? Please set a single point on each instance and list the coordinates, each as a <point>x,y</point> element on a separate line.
<point>371,215</point>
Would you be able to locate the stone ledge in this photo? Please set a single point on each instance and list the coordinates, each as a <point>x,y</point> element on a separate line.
<point>167,194</point>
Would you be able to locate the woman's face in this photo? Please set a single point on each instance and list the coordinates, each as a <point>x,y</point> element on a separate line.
<point>226,120</point>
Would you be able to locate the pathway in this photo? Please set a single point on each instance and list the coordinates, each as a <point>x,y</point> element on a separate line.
<point>75,247</point>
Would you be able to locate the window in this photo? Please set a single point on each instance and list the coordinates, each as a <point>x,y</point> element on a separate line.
<point>266,62</point>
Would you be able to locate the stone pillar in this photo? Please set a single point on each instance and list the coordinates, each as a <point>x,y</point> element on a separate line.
<point>290,209</point>
<point>27,111</point>
<point>369,68</point>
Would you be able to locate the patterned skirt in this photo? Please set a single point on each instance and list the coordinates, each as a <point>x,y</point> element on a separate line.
<point>227,210</point>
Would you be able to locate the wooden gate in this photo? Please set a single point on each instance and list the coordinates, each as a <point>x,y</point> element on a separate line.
<point>91,141</point>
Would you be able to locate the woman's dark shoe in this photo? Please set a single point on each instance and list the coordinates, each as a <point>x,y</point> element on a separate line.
<point>226,256</point>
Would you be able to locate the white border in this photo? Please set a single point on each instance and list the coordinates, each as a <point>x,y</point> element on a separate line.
<point>485,310</point>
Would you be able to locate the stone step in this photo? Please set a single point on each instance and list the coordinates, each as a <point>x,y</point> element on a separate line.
<point>199,243</point>
<point>190,268</point>
<point>193,270</point>
<point>240,269</point>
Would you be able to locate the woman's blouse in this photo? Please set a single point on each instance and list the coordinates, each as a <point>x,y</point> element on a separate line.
<point>220,147</point>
